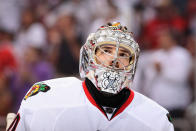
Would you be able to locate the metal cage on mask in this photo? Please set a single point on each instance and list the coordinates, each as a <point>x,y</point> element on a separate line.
<point>117,56</point>
<point>113,77</point>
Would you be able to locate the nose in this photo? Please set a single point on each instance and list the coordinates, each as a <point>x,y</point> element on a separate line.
<point>114,63</point>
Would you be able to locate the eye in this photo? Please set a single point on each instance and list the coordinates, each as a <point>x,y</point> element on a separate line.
<point>107,50</point>
<point>123,54</point>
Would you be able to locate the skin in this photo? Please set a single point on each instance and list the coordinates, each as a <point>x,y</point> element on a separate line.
<point>106,56</point>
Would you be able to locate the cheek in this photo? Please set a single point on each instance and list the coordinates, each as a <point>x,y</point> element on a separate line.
<point>103,59</point>
<point>125,62</point>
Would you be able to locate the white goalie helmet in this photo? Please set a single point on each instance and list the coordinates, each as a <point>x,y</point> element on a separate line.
<point>109,58</point>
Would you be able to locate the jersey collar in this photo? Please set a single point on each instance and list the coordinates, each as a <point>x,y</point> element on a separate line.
<point>119,109</point>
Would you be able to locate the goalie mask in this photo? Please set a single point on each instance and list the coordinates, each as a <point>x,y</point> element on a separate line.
<point>109,58</point>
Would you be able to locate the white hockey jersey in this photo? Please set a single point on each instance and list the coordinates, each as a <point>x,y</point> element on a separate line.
<point>65,104</point>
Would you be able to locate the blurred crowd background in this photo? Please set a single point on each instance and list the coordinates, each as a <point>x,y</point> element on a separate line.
<point>41,39</point>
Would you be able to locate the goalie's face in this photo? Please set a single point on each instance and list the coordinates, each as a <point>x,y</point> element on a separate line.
<point>113,56</point>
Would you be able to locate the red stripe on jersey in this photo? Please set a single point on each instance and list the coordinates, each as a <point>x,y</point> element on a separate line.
<point>122,108</point>
<point>90,98</point>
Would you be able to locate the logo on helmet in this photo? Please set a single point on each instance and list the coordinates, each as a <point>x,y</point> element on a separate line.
<point>110,80</point>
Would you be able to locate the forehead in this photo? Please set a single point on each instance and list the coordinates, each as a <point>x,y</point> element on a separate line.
<point>112,46</point>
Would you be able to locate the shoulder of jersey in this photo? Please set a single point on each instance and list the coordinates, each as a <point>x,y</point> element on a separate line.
<point>147,111</point>
<point>59,92</point>
<point>141,100</point>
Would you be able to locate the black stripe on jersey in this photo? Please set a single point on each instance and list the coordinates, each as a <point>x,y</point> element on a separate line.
<point>14,124</point>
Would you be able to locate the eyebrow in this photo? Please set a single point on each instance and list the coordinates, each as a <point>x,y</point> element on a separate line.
<point>106,47</point>
<point>125,51</point>
<point>120,49</point>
